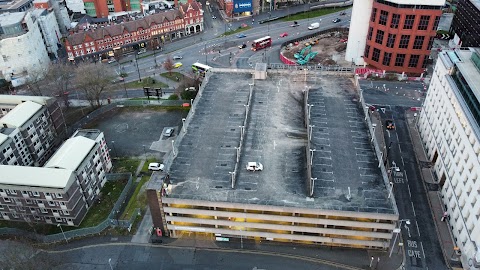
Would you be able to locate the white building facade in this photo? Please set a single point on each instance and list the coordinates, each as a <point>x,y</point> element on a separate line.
<point>22,49</point>
<point>449,126</point>
<point>49,29</point>
<point>76,6</point>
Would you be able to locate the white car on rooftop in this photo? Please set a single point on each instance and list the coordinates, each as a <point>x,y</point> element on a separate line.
<point>254,166</point>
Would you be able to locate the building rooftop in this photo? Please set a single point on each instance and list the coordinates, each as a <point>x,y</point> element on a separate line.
<point>35,177</point>
<point>7,18</point>
<point>17,99</point>
<point>476,3</point>
<point>469,70</point>
<point>275,136</point>
<point>87,133</point>
<point>71,154</point>
<point>20,114</point>
<point>3,138</point>
<point>416,2</point>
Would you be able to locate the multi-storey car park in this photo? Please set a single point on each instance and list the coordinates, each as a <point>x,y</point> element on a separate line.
<point>321,180</point>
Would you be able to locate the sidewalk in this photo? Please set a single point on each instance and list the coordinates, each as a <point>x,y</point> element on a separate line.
<point>433,195</point>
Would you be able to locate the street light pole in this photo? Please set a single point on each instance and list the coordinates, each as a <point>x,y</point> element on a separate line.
<point>114,150</point>
<point>397,231</point>
<point>138,70</point>
<point>60,226</point>
<point>110,263</point>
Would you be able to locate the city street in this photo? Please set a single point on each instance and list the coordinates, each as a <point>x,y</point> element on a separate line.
<point>418,232</point>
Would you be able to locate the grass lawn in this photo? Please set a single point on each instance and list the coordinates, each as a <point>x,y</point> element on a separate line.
<point>173,75</point>
<point>145,83</point>
<point>138,199</point>
<point>238,30</point>
<point>121,165</point>
<point>100,210</point>
<point>314,13</point>
<point>149,160</point>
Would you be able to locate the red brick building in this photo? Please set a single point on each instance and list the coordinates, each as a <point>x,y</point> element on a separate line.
<point>151,31</point>
<point>400,37</point>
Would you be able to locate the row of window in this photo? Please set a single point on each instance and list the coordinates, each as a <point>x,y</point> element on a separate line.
<point>404,40</point>
<point>408,23</point>
<point>399,58</point>
<point>31,193</point>
<point>6,216</point>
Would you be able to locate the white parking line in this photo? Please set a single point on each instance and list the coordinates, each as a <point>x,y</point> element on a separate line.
<point>421,244</point>
<point>409,193</point>
<point>413,208</point>
<point>418,231</point>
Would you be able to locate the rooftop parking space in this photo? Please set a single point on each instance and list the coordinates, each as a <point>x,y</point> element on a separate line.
<point>276,136</point>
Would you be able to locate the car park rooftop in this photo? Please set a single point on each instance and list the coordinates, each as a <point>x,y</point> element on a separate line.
<point>344,164</point>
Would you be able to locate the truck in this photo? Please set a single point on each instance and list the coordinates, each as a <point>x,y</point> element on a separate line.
<point>314,26</point>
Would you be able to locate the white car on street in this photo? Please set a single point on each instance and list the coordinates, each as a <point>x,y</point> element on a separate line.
<point>156,166</point>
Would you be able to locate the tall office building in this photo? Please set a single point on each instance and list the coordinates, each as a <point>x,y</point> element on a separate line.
<point>449,126</point>
<point>393,35</point>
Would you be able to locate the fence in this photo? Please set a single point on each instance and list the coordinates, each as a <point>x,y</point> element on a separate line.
<point>66,235</point>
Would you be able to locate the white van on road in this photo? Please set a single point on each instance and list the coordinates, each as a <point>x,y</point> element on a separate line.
<point>314,26</point>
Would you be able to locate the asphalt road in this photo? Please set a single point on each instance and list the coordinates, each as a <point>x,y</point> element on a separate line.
<point>140,257</point>
<point>422,248</point>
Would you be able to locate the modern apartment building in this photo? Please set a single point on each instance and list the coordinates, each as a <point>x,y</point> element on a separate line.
<point>49,28</point>
<point>393,35</point>
<point>63,190</point>
<point>150,31</point>
<point>466,24</point>
<point>59,10</point>
<point>449,126</point>
<point>31,130</point>
<point>22,48</point>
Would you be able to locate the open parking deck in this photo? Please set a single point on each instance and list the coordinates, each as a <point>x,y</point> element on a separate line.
<point>344,164</point>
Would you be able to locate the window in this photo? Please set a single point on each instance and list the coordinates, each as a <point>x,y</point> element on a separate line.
<point>383,17</point>
<point>374,15</point>
<point>404,40</point>
<point>423,24</point>
<point>399,60</point>
<point>370,33</point>
<point>36,194</point>
<point>391,40</point>
<point>435,23</point>
<point>409,20</point>
<point>386,58</point>
<point>379,37</point>
<point>59,196</point>
<point>57,219</point>
<point>6,199</point>
<point>418,43</point>
<point>413,60</point>
<point>66,213</point>
<point>51,203</point>
<point>425,61</point>
<point>375,54</point>
<point>395,21</point>
<point>367,51</point>
<point>13,192</point>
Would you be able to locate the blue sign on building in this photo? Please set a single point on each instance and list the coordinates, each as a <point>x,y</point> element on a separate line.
<point>242,6</point>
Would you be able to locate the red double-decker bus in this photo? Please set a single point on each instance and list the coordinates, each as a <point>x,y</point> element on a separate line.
<point>261,43</point>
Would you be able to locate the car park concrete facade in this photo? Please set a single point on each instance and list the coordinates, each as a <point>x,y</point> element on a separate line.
<point>320,184</point>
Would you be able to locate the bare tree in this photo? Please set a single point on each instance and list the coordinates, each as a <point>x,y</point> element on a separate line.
<point>94,80</point>
<point>168,65</point>
<point>36,84</point>
<point>59,79</point>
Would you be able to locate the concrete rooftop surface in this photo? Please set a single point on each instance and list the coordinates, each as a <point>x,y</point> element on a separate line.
<point>276,136</point>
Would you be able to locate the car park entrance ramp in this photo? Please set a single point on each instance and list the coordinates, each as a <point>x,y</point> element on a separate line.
<point>260,71</point>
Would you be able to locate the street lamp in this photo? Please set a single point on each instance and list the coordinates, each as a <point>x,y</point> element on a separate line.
<point>60,226</point>
<point>138,70</point>
<point>173,147</point>
<point>183,125</point>
<point>391,189</point>
<point>397,231</point>
<point>114,150</point>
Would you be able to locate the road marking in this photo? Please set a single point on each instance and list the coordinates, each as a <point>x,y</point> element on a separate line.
<point>403,163</point>
<point>409,193</point>
<point>413,208</point>
<point>388,132</point>
<point>397,139</point>
<point>421,245</point>
<point>399,148</point>
<point>418,231</point>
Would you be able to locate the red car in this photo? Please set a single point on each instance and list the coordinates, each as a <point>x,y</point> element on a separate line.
<point>284,34</point>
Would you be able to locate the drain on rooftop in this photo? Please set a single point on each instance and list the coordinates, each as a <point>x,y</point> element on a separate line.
<point>324,170</point>
<point>235,114</point>
<point>218,187</point>
<point>196,127</point>
<point>320,129</point>
<point>232,129</point>
<point>261,102</point>
<point>223,164</point>
<point>228,146</point>
<point>321,147</point>
<point>189,143</point>
<point>247,188</point>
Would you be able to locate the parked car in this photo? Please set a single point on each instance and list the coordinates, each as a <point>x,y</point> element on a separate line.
<point>344,40</point>
<point>241,35</point>
<point>343,13</point>
<point>284,34</point>
<point>254,166</point>
<point>295,24</point>
<point>111,60</point>
<point>389,124</point>
<point>177,57</point>
<point>177,65</point>
<point>156,166</point>
<point>242,46</point>
<point>214,17</point>
<point>142,51</point>
<point>336,20</point>
<point>169,132</point>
